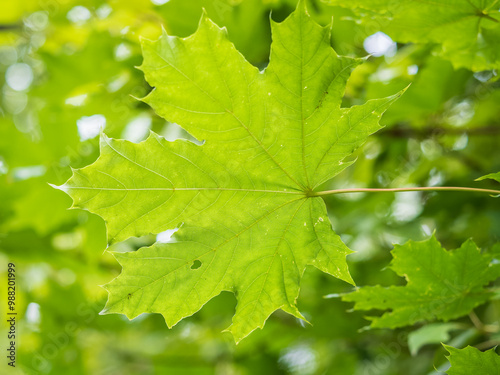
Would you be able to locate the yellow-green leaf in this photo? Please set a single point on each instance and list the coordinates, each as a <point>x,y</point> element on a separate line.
<point>244,201</point>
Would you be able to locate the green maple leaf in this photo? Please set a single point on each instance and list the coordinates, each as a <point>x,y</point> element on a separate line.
<point>467,30</point>
<point>440,284</point>
<point>472,361</point>
<point>491,176</point>
<point>249,218</point>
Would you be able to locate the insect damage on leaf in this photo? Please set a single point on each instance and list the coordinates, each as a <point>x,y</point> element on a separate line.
<point>440,284</point>
<point>249,219</point>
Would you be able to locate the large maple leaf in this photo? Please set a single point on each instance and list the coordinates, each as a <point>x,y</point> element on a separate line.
<point>250,219</point>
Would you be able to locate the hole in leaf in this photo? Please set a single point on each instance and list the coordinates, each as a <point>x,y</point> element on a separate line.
<point>196,264</point>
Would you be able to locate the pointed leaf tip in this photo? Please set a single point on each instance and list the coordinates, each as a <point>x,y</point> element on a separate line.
<point>62,187</point>
<point>301,7</point>
<point>205,20</point>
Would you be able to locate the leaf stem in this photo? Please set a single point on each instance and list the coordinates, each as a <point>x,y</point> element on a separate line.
<point>485,15</point>
<point>487,344</point>
<point>476,321</point>
<point>424,188</point>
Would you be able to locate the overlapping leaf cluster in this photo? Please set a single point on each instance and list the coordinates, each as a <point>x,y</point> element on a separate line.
<point>467,31</point>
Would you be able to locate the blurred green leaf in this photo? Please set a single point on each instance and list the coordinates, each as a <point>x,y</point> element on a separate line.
<point>467,31</point>
<point>430,334</point>
<point>491,176</point>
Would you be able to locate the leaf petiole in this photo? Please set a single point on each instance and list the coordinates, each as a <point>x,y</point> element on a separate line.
<point>420,188</point>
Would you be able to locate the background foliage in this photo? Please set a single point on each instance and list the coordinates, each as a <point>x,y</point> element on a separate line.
<point>68,69</point>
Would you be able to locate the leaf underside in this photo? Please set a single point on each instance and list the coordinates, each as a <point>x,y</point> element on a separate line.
<point>249,221</point>
<point>441,284</point>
